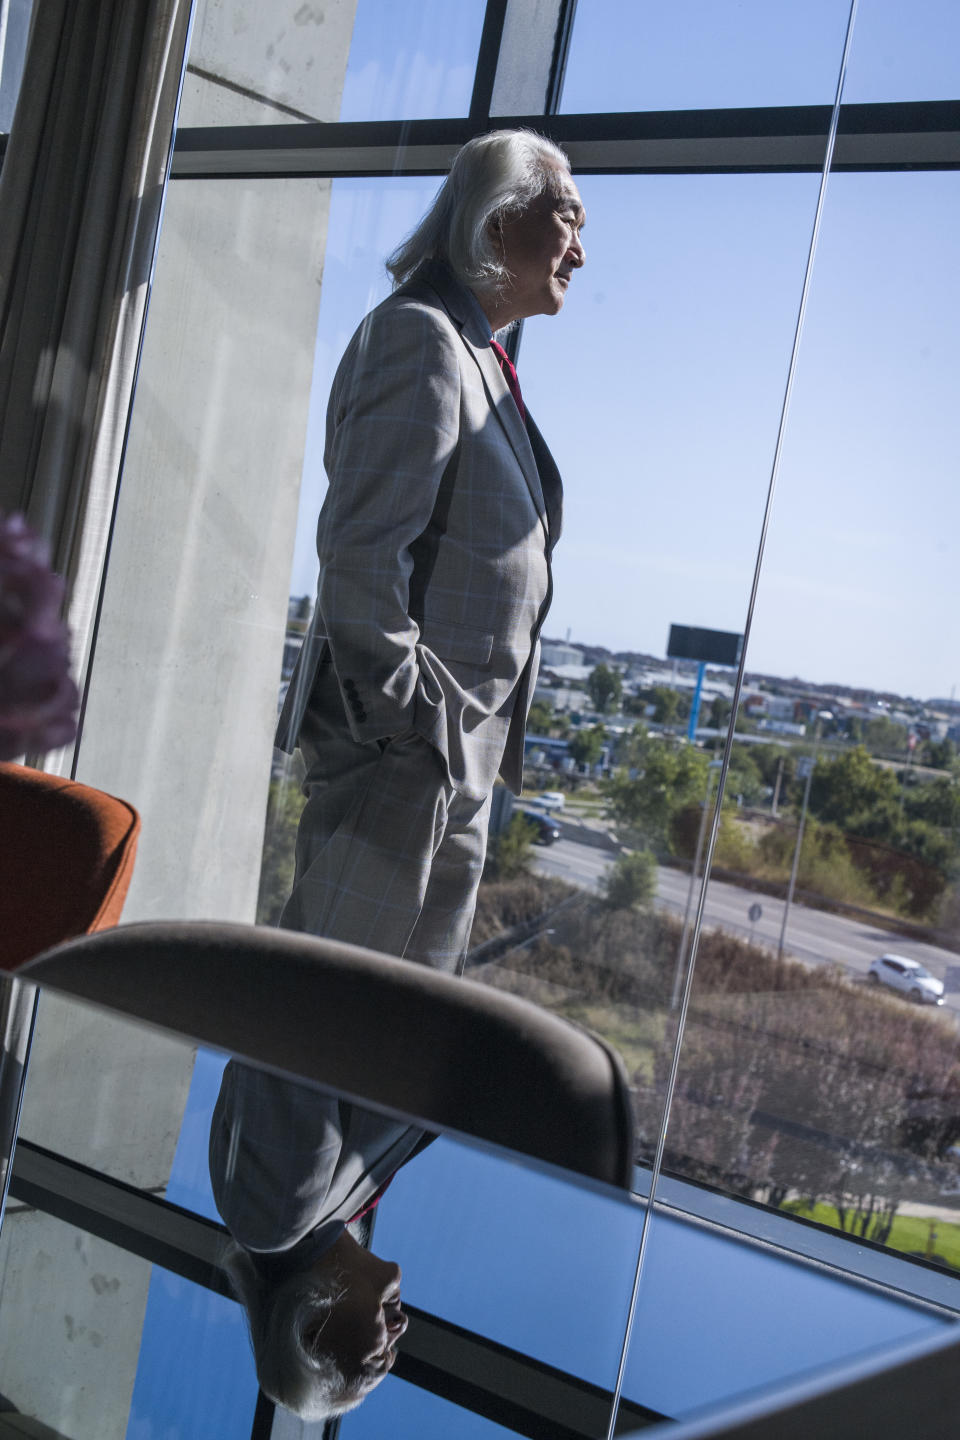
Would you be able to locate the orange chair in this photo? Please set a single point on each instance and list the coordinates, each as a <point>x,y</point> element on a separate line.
<point>67,858</point>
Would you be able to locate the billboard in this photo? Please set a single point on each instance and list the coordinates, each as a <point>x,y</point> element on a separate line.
<point>715,647</point>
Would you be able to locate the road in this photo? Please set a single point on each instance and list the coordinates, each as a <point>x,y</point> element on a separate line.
<point>813,936</point>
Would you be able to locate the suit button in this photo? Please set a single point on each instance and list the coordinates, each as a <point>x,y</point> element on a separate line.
<point>349,686</point>
<point>361,714</point>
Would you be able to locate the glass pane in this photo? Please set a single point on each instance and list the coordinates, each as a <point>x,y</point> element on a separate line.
<point>660,527</point>
<point>905,53</point>
<point>515,1281</point>
<point>718,1318</point>
<point>819,1066</point>
<point>698,54</point>
<point>183,699</point>
<point>367,220</point>
<point>659,389</point>
<point>524,1227</point>
<point>347,60</point>
<point>414,60</point>
<point>106,1093</point>
<point>99,1345</point>
<point>289,1166</point>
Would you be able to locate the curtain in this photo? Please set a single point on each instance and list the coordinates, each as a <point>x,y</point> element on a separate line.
<point>80,198</point>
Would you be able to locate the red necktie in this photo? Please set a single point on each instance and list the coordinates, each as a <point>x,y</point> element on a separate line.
<point>510,375</point>
<point>372,1203</point>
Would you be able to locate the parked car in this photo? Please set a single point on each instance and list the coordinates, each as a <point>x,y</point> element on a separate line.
<point>550,799</point>
<point>545,828</point>
<point>909,977</point>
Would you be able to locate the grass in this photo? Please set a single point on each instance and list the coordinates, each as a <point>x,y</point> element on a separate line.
<point>636,1034</point>
<point>910,1233</point>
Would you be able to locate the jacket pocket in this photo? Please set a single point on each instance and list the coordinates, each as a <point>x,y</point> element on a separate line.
<point>457,642</point>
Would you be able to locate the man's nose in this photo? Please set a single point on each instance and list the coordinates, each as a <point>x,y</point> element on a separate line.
<point>577,251</point>
<point>391,1277</point>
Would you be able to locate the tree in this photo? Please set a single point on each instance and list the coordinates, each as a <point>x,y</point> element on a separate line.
<point>586,746</point>
<point>668,777</point>
<point>605,688</point>
<point>631,881</point>
<point>937,802</point>
<point>856,794</point>
<point>510,852</point>
<point>940,754</point>
<point>669,706</point>
<point>561,723</point>
<point>277,863</point>
<point>540,718</point>
<point>744,778</point>
<point>884,736</point>
<point>720,708</point>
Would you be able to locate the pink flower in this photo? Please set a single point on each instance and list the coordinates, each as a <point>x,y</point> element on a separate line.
<point>38,699</point>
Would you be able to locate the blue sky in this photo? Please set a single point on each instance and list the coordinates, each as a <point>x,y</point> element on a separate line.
<point>659,387</point>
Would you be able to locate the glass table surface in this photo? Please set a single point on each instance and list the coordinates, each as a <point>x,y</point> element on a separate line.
<point>502,1291</point>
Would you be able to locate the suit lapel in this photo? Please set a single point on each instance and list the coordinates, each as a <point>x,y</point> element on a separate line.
<point>550,482</point>
<point>504,407</point>
<point>474,332</point>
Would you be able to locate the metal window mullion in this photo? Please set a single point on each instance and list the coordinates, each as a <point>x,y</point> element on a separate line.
<point>488,58</point>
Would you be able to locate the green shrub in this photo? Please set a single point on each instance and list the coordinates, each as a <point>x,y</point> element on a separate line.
<point>631,882</point>
<point>510,853</point>
<point>735,850</point>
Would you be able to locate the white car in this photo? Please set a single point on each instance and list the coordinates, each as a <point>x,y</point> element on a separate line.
<point>550,800</point>
<point>909,977</point>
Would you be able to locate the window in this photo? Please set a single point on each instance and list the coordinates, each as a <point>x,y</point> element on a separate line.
<point>811,1108</point>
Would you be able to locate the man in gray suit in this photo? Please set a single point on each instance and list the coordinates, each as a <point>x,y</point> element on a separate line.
<point>435,539</point>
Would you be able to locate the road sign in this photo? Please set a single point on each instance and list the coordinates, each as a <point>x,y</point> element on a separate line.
<point>804,767</point>
<point>754,913</point>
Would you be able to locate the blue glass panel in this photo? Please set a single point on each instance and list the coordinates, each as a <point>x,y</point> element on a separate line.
<point>700,54</point>
<point>412,59</point>
<point>195,1374</point>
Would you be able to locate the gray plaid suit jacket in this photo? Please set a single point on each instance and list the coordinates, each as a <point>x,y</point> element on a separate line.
<point>289,1165</point>
<point>434,539</point>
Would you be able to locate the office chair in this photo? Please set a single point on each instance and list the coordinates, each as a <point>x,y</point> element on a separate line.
<point>68,853</point>
<point>446,1051</point>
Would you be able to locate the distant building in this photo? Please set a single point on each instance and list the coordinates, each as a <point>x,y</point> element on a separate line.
<point>554,654</point>
<point>782,727</point>
<point>776,707</point>
<point>299,610</point>
<point>560,698</point>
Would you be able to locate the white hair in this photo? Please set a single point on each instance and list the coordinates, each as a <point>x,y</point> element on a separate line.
<point>492,177</point>
<point>305,1380</point>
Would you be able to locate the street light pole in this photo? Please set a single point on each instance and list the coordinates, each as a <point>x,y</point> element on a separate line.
<point>811,765</point>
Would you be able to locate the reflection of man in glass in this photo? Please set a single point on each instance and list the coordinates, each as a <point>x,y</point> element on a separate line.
<point>290,1169</point>
<point>412,690</point>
